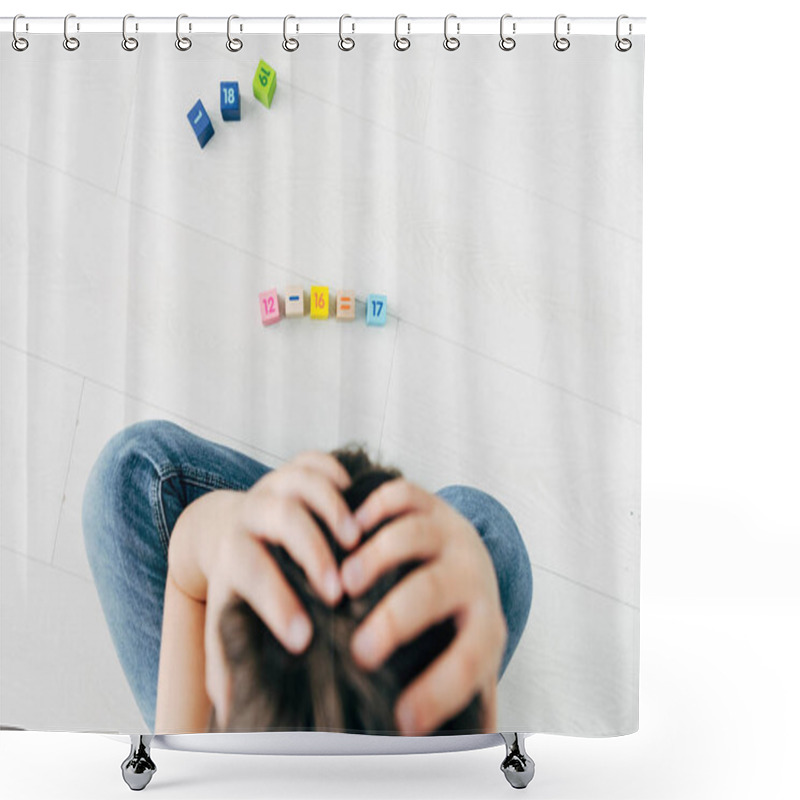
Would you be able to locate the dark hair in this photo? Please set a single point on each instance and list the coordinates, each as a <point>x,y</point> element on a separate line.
<point>322,688</point>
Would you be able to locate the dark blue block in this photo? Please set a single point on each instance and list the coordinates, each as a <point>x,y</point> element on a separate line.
<point>229,100</point>
<point>200,122</point>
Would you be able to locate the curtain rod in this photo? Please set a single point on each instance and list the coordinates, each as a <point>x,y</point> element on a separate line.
<point>462,26</point>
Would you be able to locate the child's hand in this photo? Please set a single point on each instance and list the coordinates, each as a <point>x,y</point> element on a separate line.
<point>224,556</point>
<point>458,579</point>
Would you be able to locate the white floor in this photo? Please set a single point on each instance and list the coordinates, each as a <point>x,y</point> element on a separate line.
<point>510,360</point>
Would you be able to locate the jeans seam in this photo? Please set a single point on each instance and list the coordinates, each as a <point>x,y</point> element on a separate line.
<point>205,480</point>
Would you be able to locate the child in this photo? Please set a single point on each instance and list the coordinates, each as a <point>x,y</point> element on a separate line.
<point>323,688</point>
<point>175,529</point>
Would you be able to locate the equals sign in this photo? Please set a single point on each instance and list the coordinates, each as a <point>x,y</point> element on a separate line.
<point>345,304</point>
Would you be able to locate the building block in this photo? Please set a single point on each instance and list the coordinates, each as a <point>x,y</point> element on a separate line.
<point>270,308</point>
<point>376,309</point>
<point>229,104</point>
<point>345,305</point>
<point>293,303</point>
<point>264,83</point>
<point>319,302</point>
<point>200,122</point>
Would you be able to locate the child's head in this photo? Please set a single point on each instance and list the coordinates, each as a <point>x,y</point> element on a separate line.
<point>322,687</point>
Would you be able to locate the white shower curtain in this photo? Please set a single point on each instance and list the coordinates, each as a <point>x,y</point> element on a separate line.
<point>492,199</point>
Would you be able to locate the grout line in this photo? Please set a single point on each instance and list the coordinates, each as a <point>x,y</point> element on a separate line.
<point>44,563</point>
<point>436,334</point>
<point>525,374</point>
<point>585,586</point>
<point>125,138</point>
<point>554,573</point>
<point>388,388</point>
<point>142,400</point>
<point>304,277</point>
<point>421,143</point>
<point>66,474</point>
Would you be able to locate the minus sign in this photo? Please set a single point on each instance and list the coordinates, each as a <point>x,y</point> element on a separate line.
<point>294,296</point>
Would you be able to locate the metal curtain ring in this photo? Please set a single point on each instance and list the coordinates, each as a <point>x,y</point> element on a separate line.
<point>623,45</point>
<point>346,42</point>
<point>181,42</point>
<point>70,42</point>
<point>451,42</point>
<point>401,42</point>
<point>19,43</point>
<point>129,43</point>
<point>289,44</point>
<point>561,43</point>
<point>506,42</point>
<point>233,44</point>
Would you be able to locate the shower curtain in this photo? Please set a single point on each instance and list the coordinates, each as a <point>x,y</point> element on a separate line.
<point>247,294</point>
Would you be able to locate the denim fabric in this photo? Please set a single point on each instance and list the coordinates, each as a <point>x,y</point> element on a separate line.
<point>149,472</point>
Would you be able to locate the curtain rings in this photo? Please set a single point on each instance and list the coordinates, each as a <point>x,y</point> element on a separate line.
<point>290,44</point>
<point>451,42</point>
<point>181,42</point>
<point>561,43</point>
<point>70,42</point>
<point>623,45</point>
<point>233,44</point>
<point>346,42</point>
<point>401,42</point>
<point>507,42</point>
<point>19,43</point>
<point>129,43</point>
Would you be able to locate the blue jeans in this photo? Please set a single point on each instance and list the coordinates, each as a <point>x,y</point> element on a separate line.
<point>149,472</point>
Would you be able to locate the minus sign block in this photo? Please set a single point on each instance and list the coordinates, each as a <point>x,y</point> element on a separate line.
<point>294,301</point>
<point>200,122</point>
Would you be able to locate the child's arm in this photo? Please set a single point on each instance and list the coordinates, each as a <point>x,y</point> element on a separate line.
<point>216,551</point>
<point>457,580</point>
<point>182,704</point>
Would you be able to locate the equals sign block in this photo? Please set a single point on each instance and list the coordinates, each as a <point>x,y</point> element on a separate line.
<point>201,124</point>
<point>346,305</point>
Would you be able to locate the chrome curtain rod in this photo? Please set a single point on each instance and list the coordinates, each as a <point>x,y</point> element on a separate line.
<point>459,26</point>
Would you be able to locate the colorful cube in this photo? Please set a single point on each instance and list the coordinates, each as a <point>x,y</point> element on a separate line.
<point>376,309</point>
<point>319,302</point>
<point>293,303</point>
<point>345,305</point>
<point>229,104</point>
<point>200,122</point>
<point>270,308</point>
<point>264,83</point>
